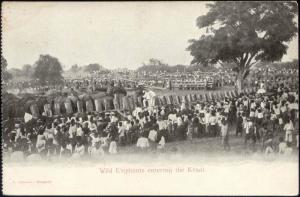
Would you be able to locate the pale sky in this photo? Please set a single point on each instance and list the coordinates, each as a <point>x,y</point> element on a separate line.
<point>113,34</point>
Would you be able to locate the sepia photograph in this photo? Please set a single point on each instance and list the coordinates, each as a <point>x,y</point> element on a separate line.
<point>150,98</point>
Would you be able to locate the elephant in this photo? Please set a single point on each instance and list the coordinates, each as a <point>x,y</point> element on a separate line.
<point>87,100</point>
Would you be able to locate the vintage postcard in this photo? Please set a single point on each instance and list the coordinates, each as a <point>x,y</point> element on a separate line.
<point>150,98</point>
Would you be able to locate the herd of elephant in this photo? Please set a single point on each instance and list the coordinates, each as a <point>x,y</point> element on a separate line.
<point>86,103</point>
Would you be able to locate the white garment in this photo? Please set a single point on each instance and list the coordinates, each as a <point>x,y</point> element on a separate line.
<point>172,117</point>
<point>198,107</point>
<point>162,142</point>
<point>206,118</point>
<point>282,147</point>
<point>161,125</point>
<point>130,118</point>
<point>283,109</point>
<point>224,130</point>
<point>273,116</point>
<point>253,105</point>
<point>127,126</point>
<point>226,108</point>
<point>114,119</point>
<point>79,132</point>
<point>294,106</point>
<point>252,114</point>
<point>136,111</point>
<point>179,121</point>
<point>112,147</point>
<point>262,105</point>
<point>152,135</point>
<point>72,130</point>
<point>288,129</point>
<point>104,141</point>
<point>280,121</point>
<point>276,110</point>
<point>182,107</point>
<point>142,142</point>
<point>94,140</point>
<point>248,126</point>
<point>245,103</point>
<point>260,115</point>
<point>213,120</point>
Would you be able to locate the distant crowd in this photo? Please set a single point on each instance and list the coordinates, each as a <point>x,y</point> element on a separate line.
<point>221,78</point>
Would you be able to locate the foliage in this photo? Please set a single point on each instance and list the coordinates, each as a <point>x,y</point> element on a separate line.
<point>49,69</point>
<point>92,68</point>
<point>28,70</point>
<point>244,33</point>
<point>154,65</point>
<point>74,68</point>
<point>5,76</point>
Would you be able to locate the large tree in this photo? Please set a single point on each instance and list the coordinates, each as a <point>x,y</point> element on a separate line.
<point>5,76</point>
<point>244,33</point>
<point>27,70</point>
<point>93,67</point>
<point>49,69</point>
<point>155,65</point>
<point>74,68</point>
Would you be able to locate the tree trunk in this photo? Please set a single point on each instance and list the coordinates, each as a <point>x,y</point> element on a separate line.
<point>239,83</point>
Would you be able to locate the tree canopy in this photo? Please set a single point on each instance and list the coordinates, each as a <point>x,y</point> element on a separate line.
<point>244,33</point>
<point>5,76</point>
<point>49,69</point>
<point>154,65</point>
<point>28,70</point>
<point>74,68</point>
<point>93,67</point>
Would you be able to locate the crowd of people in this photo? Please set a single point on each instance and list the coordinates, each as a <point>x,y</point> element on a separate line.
<point>176,80</point>
<point>267,123</point>
<point>129,80</point>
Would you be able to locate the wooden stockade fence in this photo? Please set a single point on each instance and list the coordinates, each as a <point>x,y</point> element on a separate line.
<point>123,103</point>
